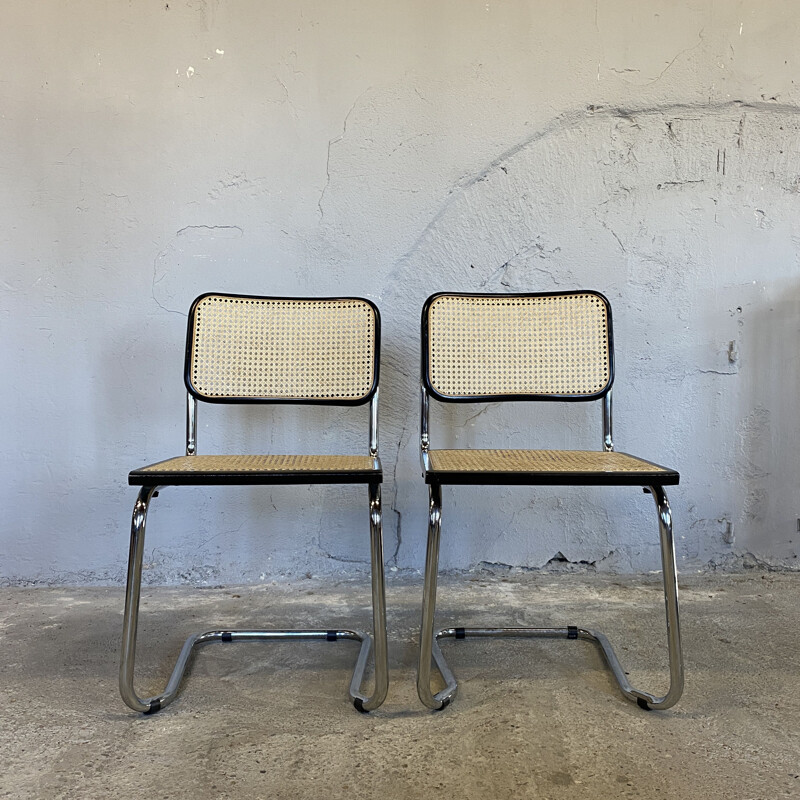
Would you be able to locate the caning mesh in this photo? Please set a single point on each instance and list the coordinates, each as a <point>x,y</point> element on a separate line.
<point>283,348</point>
<point>270,463</point>
<point>507,344</point>
<point>537,461</point>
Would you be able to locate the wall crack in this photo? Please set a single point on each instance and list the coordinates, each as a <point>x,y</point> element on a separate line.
<point>332,142</point>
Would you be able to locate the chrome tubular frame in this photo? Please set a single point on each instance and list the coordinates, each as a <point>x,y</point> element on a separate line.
<point>150,705</point>
<point>429,642</point>
<point>361,702</point>
<point>191,425</point>
<point>424,438</point>
<point>373,424</point>
<point>608,440</point>
<point>424,413</point>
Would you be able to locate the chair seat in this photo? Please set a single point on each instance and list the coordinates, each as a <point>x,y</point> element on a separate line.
<point>553,467</point>
<point>251,470</point>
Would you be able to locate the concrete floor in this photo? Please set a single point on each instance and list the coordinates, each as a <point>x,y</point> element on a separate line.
<point>535,719</point>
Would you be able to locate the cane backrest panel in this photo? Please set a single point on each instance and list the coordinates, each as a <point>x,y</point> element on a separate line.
<point>267,349</point>
<point>543,346</point>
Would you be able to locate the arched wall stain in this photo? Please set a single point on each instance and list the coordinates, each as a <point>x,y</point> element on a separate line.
<point>686,217</point>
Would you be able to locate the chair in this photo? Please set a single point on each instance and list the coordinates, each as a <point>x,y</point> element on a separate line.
<point>242,349</point>
<point>550,347</point>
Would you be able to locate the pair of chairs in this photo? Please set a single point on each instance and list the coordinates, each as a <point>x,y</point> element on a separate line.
<point>326,351</point>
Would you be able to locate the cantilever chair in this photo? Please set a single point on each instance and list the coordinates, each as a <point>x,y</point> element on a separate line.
<point>243,349</point>
<point>554,346</point>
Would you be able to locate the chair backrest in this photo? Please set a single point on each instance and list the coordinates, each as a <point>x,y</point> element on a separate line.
<point>486,347</point>
<point>245,349</point>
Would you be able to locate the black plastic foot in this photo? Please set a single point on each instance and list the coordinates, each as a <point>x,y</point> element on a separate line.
<point>155,705</point>
<point>359,706</point>
<point>643,704</point>
<point>444,704</point>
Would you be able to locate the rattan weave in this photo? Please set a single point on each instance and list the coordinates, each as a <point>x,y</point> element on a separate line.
<point>562,461</point>
<point>518,345</point>
<point>282,348</point>
<point>266,463</point>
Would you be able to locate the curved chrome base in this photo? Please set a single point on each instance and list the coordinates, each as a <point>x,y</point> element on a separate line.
<point>150,705</point>
<point>644,699</point>
<point>429,642</point>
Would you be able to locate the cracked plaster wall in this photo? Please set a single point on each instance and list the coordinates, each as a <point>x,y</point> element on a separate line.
<point>153,151</point>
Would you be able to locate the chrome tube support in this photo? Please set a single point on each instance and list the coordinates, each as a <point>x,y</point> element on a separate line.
<point>191,424</point>
<point>429,642</point>
<point>150,705</point>
<point>424,412</point>
<point>608,440</point>
<point>132,594</point>
<point>424,438</point>
<point>670,579</point>
<point>362,702</point>
<point>373,424</point>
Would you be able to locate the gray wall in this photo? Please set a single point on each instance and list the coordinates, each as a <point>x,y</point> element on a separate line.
<point>150,151</point>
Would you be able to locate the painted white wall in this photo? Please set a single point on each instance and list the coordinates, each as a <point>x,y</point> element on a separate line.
<point>153,151</point>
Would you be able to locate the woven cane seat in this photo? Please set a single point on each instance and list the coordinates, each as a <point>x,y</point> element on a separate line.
<point>282,349</point>
<point>260,469</point>
<point>529,467</point>
<point>546,346</point>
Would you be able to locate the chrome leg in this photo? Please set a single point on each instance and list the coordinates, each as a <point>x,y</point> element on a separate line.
<point>132,593</point>
<point>428,646</point>
<point>642,698</point>
<point>360,701</point>
<point>130,622</point>
<point>670,577</point>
